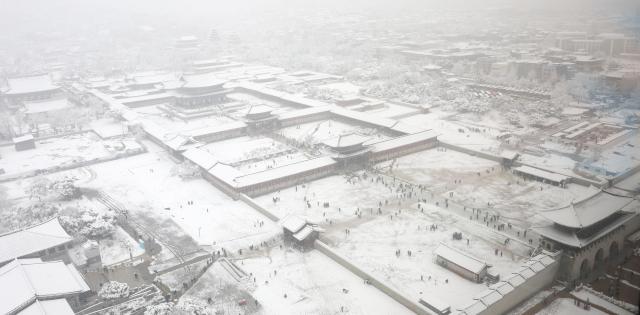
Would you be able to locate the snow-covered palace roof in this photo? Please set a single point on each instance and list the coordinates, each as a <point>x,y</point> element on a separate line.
<point>589,211</point>
<point>30,84</point>
<point>32,239</point>
<point>24,281</point>
<point>461,259</point>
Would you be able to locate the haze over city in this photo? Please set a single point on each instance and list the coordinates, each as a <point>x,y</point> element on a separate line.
<point>319,157</point>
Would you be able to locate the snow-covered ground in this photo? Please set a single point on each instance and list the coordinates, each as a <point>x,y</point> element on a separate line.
<point>475,182</point>
<point>595,299</point>
<point>241,149</point>
<point>227,290</point>
<point>249,99</point>
<point>450,131</point>
<point>145,184</point>
<point>564,306</point>
<point>172,124</point>
<point>552,162</point>
<point>345,194</point>
<point>62,151</point>
<point>346,88</point>
<point>374,237</point>
<point>319,131</point>
<point>372,243</point>
<point>391,110</point>
<point>313,284</point>
<point>175,279</point>
<point>119,248</point>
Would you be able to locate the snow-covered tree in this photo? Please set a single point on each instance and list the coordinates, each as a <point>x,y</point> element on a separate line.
<point>189,306</point>
<point>65,188</point>
<point>114,290</point>
<point>186,306</point>
<point>39,187</point>
<point>185,169</point>
<point>89,223</point>
<point>20,217</point>
<point>166,308</point>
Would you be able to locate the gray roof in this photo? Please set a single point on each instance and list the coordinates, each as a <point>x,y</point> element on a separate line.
<point>589,211</point>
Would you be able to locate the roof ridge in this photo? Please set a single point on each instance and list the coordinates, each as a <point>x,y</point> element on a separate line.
<point>50,235</point>
<point>26,276</point>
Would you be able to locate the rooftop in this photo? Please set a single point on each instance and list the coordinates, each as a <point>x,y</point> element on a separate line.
<point>344,141</point>
<point>30,84</point>
<point>283,171</point>
<point>35,107</point>
<point>23,281</point>
<point>259,110</point>
<point>589,211</point>
<point>571,237</point>
<point>32,239</point>
<point>293,223</point>
<point>195,81</point>
<point>461,259</point>
<point>553,177</point>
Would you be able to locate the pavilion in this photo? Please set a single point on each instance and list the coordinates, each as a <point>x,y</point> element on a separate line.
<point>590,232</point>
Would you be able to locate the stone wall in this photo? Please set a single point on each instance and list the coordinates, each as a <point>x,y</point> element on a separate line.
<point>386,289</point>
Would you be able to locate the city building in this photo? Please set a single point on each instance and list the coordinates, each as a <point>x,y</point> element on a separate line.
<point>461,263</point>
<point>29,88</point>
<point>43,240</point>
<point>31,286</point>
<point>589,232</point>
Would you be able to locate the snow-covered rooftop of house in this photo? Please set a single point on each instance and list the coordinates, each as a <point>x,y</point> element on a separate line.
<point>175,142</point>
<point>32,239</point>
<point>23,138</point>
<point>225,172</point>
<point>259,109</point>
<point>586,212</point>
<point>153,77</point>
<point>543,259</point>
<point>509,155</point>
<point>283,171</point>
<point>525,272</point>
<point>293,223</point>
<point>210,130</point>
<point>571,238</point>
<point>502,287</point>
<point>304,112</point>
<point>406,128</point>
<point>631,183</point>
<point>473,308</point>
<point>30,84</point>
<point>347,140</point>
<point>489,297</point>
<point>304,233</point>
<point>364,118</point>
<point>404,140</point>
<point>193,81</point>
<point>200,157</point>
<point>44,106</point>
<point>461,259</point>
<point>535,265</point>
<point>23,281</point>
<point>146,97</point>
<point>554,177</point>
<point>515,280</point>
<point>48,307</point>
<point>498,290</point>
